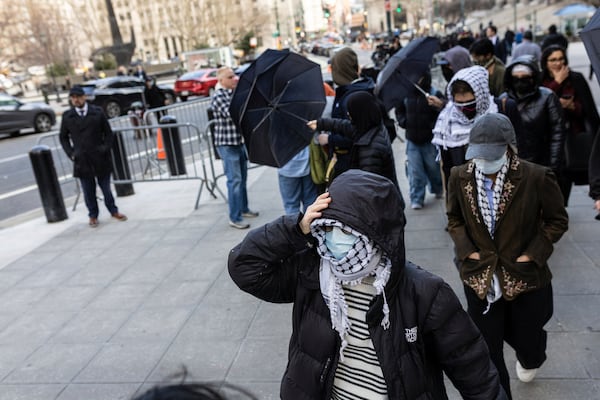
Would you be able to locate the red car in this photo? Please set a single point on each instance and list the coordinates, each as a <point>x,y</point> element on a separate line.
<point>196,83</point>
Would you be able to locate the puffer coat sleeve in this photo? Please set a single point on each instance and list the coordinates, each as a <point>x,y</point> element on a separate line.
<point>265,264</point>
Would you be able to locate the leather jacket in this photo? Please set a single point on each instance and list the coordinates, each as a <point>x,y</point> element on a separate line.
<point>542,137</point>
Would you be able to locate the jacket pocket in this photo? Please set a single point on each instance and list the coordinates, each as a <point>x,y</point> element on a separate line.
<point>519,277</point>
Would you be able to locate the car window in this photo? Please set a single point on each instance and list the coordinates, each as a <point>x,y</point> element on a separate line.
<point>8,102</point>
<point>213,74</point>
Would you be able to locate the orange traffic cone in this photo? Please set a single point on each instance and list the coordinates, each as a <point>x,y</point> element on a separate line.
<point>160,148</point>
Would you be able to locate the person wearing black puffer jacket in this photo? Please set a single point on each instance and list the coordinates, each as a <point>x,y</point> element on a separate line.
<point>542,137</point>
<point>366,323</point>
<point>371,148</point>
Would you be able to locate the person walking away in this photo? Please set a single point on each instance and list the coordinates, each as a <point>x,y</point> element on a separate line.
<point>504,214</point>
<point>87,138</point>
<point>468,99</point>
<point>542,137</point>
<point>417,115</point>
<point>366,323</point>
<point>296,186</point>
<point>528,47</point>
<point>230,146</point>
<point>554,37</point>
<point>482,54</point>
<point>371,147</point>
<point>578,106</point>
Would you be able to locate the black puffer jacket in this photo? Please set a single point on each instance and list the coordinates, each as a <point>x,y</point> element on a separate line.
<point>277,263</point>
<point>370,151</point>
<point>542,137</point>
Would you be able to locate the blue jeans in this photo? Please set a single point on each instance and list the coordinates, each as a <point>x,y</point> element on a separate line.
<point>235,164</point>
<point>88,187</point>
<point>421,170</point>
<point>295,191</point>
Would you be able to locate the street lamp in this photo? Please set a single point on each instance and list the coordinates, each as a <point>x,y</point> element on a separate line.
<point>44,41</point>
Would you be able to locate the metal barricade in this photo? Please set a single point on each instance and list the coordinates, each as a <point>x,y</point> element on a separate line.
<point>144,154</point>
<point>194,112</point>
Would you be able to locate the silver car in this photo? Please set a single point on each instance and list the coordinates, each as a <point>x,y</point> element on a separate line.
<point>16,115</point>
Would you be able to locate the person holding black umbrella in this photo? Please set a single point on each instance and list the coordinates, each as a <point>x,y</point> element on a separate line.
<point>230,146</point>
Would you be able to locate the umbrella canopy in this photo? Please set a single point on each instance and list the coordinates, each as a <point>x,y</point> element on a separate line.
<point>575,10</point>
<point>272,102</point>
<point>396,80</point>
<point>590,34</point>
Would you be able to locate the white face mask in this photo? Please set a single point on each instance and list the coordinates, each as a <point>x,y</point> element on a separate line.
<point>490,167</point>
<point>338,242</point>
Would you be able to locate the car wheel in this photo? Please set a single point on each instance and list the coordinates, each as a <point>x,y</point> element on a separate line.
<point>112,109</point>
<point>183,98</point>
<point>15,133</point>
<point>42,123</point>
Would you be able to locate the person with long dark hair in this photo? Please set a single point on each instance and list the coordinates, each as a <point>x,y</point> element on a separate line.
<point>579,109</point>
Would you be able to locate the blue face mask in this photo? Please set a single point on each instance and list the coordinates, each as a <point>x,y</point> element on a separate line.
<point>490,167</point>
<point>339,243</point>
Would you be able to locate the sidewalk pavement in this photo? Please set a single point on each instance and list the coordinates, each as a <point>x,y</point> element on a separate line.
<point>103,313</point>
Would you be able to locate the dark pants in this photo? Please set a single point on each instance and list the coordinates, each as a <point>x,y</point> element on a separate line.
<point>452,157</point>
<point>519,322</point>
<point>88,186</point>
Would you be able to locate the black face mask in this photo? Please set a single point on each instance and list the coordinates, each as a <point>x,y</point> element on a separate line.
<point>447,72</point>
<point>523,86</point>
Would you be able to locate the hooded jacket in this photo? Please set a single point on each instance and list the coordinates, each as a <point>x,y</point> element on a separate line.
<point>542,137</point>
<point>277,263</point>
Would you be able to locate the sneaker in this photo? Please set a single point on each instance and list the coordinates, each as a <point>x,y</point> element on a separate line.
<point>525,375</point>
<point>93,222</point>
<point>250,214</point>
<point>119,216</point>
<point>416,206</point>
<point>239,225</point>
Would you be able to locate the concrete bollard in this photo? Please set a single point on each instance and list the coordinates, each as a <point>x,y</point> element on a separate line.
<point>47,182</point>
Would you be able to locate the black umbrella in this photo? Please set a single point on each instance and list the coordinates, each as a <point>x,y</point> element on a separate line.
<point>396,80</point>
<point>590,34</point>
<point>274,99</point>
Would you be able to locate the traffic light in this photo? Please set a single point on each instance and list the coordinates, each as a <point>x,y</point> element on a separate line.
<point>399,8</point>
<point>326,13</point>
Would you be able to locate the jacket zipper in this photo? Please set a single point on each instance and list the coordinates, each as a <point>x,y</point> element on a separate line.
<point>324,373</point>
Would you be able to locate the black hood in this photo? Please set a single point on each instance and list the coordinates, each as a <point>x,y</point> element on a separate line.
<point>527,60</point>
<point>372,205</point>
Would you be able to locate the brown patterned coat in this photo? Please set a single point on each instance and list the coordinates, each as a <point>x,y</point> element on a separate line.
<point>531,217</point>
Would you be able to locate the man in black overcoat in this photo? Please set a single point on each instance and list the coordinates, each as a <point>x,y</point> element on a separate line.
<point>87,138</point>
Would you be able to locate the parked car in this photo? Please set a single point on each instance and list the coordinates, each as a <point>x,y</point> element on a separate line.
<point>201,82</point>
<point>116,94</point>
<point>16,115</point>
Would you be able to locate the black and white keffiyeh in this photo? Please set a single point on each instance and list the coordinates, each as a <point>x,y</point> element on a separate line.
<point>364,259</point>
<point>488,210</point>
<point>494,293</point>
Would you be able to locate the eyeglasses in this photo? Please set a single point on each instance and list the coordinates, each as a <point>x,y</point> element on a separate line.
<point>553,60</point>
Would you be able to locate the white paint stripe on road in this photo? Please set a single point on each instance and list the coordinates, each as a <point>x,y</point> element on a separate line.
<point>29,188</point>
